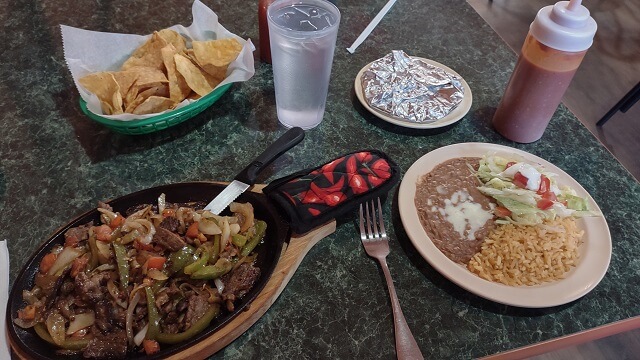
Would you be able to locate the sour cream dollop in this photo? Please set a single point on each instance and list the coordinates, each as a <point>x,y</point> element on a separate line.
<point>528,171</point>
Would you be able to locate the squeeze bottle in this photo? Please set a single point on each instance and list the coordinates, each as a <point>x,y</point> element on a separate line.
<point>557,41</point>
<point>263,29</point>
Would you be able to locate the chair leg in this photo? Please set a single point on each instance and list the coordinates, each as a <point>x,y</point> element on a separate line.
<point>623,105</point>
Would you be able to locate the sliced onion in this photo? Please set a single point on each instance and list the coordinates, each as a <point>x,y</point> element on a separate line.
<point>156,274</point>
<point>104,267</point>
<point>106,215</point>
<point>208,226</point>
<point>219,285</point>
<point>235,228</point>
<point>65,258</point>
<point>104,251</point>
<point>55,325</point>
<point>226,234</point>
<point>150,231</point>
<point>129,318</point>
<point>161,203</point>
<point>81,321</point>
<point>139,214</point>
<point>246,210</point>
<point>140,335</point>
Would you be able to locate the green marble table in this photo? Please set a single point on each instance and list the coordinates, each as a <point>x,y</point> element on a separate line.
<point>56,164</point>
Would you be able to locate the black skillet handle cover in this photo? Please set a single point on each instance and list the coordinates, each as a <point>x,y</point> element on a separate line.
<point>315,196</point>
<point>285,142</point>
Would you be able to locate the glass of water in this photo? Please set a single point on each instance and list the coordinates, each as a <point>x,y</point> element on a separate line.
<point>303,35</point>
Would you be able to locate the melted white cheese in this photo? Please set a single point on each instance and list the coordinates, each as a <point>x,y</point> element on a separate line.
<point>464,214</point>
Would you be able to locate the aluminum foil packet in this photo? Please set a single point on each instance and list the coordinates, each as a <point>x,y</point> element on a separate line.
<point>411,89</point>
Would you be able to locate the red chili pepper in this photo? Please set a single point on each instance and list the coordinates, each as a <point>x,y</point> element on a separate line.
<point>332,165</point>
<point>357,184</point>
<point>311,198</point>
<point>329,176</point>
<point>334,199</point>
<point>352,165</point>
<point>381,168</point>
<point>314,212</point>
<point>364,156</point>
<point>335,187</point>
<point>318,190</point>
<point>375,181</point>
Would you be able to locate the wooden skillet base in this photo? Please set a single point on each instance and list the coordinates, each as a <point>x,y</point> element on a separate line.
<point>290,259</point>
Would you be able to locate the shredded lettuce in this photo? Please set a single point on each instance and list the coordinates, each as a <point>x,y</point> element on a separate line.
<point>523,203</point>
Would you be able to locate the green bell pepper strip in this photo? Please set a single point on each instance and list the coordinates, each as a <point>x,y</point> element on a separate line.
<point>238,240</point>
<point>154,317</point>
<point>123,264</point>
<point>203,256</point>
<point>93,260</point>
<point>196,328</point>
<point>215,249</point>
<point>68,344</point>
<point>261,228</point>
<point>181,258</point>
<point>211,272</point>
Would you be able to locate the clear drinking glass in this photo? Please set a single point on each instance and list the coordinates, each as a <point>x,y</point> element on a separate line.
<point>303,35</point>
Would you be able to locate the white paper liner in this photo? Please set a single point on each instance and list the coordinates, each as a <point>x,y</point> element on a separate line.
<point>92,51</point>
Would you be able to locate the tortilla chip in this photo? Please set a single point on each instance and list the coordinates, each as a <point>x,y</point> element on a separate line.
<point>178,87</point>
<point>125,80</point>
<point>106,88</point>
<point>154,104</point>
<point>216,52</point>
<point>214,56</point>
<point>147,55</point>
<point>161,91</point>
<point>197,79</point>
<point>173,38</point>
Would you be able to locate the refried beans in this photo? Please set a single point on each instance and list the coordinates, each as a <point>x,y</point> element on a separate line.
<point>454,213</point>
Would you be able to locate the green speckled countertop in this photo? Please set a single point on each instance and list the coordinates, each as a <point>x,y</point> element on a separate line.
<point>55,164</point>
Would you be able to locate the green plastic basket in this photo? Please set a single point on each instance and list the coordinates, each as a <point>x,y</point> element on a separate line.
<point>160,122</point>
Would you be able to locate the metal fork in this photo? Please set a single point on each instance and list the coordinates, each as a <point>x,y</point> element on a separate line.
<point>376,244</point>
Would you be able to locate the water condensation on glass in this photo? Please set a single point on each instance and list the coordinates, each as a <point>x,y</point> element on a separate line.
<point>304,18</point>
<point>411,89</point>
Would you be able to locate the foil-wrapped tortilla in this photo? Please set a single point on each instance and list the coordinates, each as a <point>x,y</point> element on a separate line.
<point>411,89</point>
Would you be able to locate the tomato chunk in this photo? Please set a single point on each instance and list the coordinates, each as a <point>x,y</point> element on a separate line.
<point>103,233</point>
<point>502,211</point>
<point>510,164</point>
<point>544,204</point>
<point>545,185</point>
<point>150,346</point>
<point>520,180</point>
<point>47,262</point>
<point>192,231</point>
<point>117,221</point>
<point>550,195</point>
<point>156,262</point>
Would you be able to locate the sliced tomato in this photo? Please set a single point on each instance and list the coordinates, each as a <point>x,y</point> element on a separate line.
<point>192,231</point>
<point>550,195</point>
<point>502,212</point>
<point>117,221</point>
<point>150,346</point>
<point>103,233</point>
<point>544,204</point>
<point>47,262</point>
<point>545,185</point>
<point>520,180</point>
<point>156,262</point>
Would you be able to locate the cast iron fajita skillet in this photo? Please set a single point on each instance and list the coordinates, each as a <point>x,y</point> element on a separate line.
<point>278,232</point>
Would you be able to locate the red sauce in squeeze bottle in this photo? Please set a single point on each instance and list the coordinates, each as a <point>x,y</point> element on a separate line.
<point>558,39</point>
<point>263,28</point>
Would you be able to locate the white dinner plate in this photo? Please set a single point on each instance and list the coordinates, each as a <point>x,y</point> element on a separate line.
<point>455,115</point>
<point>595,251</point>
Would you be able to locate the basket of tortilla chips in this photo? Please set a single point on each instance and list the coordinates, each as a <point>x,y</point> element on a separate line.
<point>165,78</point>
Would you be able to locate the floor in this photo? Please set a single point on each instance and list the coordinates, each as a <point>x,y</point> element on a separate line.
<point>610,69</point>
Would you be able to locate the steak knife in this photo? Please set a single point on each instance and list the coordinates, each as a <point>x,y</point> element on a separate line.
<point>247,177</point>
